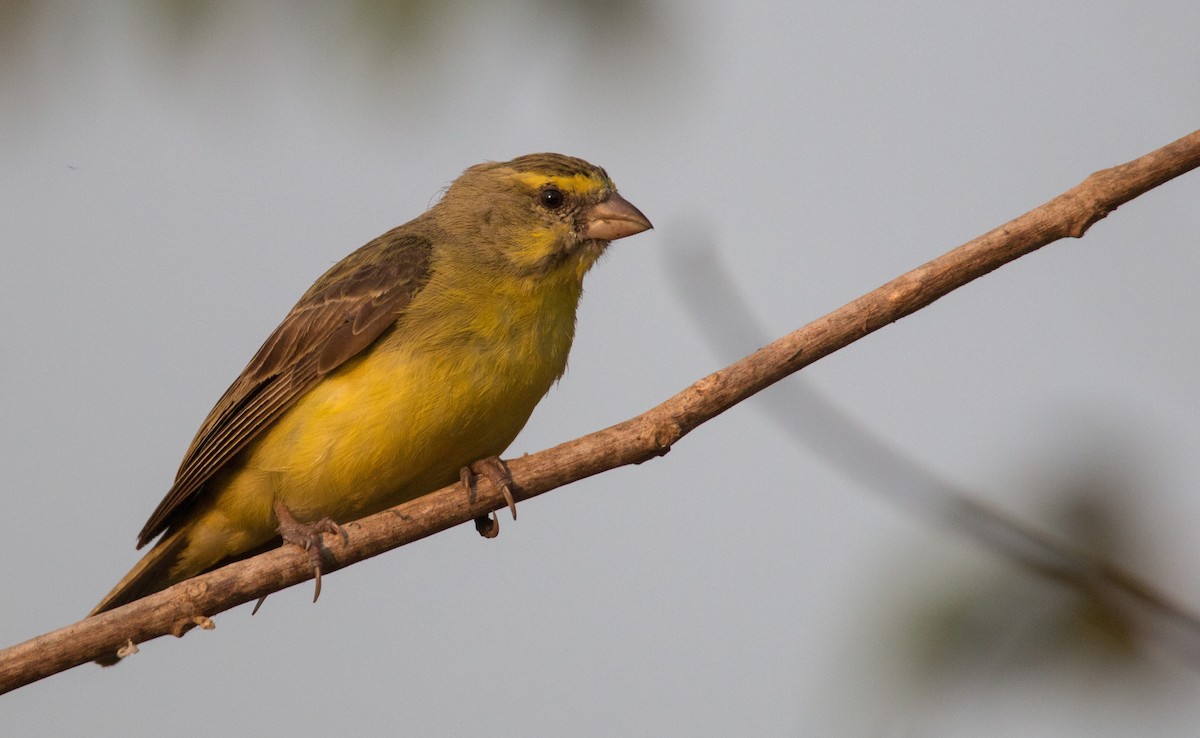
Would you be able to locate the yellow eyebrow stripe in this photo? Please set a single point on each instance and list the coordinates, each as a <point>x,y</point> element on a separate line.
<point>579,184</point>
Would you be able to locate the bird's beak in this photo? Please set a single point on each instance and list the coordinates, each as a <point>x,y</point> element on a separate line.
<point>614,217</point>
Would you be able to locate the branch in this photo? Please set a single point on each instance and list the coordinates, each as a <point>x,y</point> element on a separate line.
<point>638,439</point>
<point>703,283</point>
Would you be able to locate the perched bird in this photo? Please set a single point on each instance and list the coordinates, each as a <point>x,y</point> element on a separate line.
<point>410,364</point>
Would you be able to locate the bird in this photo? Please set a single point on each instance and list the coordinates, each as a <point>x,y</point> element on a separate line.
<point>410,364</point>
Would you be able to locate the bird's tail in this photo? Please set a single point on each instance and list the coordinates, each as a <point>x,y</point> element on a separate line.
<point>151,574</point>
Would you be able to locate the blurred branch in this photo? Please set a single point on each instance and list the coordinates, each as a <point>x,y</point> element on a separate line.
<point>856,451</point>
<point>636,440</point>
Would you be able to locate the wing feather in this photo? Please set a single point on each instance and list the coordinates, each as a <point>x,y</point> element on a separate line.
<point>342,314</point>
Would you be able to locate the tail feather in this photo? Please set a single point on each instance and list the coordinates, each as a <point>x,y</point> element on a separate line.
<point>151,574</point>
<point>161,567</point>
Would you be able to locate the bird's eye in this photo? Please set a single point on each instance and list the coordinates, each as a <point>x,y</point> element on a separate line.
<point>551,198</point>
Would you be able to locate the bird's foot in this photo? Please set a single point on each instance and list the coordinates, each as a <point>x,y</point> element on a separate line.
<point>497,473</point>
<point>308,537</point>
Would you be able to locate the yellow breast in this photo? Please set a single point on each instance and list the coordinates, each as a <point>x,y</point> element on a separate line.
<point>453,382</point>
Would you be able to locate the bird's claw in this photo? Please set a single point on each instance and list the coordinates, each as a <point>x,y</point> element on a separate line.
<point>497,473</point>
<point>308,537</point>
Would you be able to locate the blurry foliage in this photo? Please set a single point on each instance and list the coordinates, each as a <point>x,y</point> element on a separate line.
<point>387,29</point>
<point>1001,623</point>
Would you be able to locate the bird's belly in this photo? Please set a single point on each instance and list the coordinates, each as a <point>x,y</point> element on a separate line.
<point>384,428</point>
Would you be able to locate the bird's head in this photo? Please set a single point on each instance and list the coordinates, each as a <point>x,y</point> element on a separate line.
<point>538,214</point>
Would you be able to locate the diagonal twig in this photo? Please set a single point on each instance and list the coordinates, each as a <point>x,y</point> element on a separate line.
<point>636,440</point>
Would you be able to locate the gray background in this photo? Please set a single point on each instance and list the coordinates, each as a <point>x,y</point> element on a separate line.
<point>174,176</point>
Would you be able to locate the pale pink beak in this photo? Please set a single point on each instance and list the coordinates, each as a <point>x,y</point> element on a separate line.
<point>613,218</point>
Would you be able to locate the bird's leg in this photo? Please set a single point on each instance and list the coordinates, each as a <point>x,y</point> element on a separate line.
<point>497,473</point>
<point>307,537</point>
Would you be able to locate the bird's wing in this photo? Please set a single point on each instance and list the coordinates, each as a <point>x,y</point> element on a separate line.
<point>342,314</point>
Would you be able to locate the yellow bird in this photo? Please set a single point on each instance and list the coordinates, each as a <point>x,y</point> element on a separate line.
<point>411,363</point>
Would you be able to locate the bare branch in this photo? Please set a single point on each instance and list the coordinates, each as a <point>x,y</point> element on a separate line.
<point>815,420</point>
<point>636,440</point>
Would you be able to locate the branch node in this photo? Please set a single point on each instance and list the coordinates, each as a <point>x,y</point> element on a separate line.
<point>129,649</point>
<point>905,292</point>
<point>665,436</point>
<point>184,625</point>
